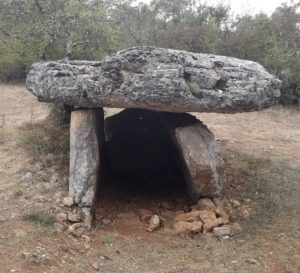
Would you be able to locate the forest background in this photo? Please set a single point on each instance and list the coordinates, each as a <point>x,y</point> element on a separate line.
<point>34,30</point>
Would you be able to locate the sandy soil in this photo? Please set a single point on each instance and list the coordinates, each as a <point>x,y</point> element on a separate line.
<point>124,245</point>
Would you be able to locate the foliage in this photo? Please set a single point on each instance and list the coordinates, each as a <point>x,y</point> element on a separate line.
<point>39,217</point>
<point>47,138</point>
<point>32,30</point>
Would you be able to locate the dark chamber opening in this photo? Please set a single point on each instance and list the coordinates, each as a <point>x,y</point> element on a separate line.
<point>140,157</point>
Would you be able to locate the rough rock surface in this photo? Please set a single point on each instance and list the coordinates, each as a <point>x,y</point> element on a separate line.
<point>85,146</point>
<point>157,79</point>
<point>199,155</point>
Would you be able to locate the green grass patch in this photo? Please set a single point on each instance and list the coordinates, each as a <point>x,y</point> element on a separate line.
<point>18,193</point>
<point>39,217</point>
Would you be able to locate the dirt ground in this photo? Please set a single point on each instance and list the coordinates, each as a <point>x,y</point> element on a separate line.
<point>262,149</point>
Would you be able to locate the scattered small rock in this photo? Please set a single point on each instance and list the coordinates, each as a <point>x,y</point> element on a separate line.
<point>77,229</point>
<point>221,231</point>
<point>235,203</point>
<point>223,204</point>
<point>61,217</point>
<point>245,212</point>
<point>252,261</point>
<point>223,217</point>
<point>86,238</point>
<point>206,204</point>
<point>145,215</point>
<point>189,216</point>
<point>188,227</point>
<point>95,266</point>
<point>209,220</point>
<point>68,201</point>
<point>59,227</point>
<point>73,217</point>
<point>154,223</point>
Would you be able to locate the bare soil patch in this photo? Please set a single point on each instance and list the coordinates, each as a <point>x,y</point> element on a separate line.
<point>262,153</point>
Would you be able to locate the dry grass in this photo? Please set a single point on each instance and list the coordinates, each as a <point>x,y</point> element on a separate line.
<point>17,106</point>
<point>290,114</point>
<point>43,139</point>
<point>2,136</point>
<point>273,186</point>
<point>40,132</point>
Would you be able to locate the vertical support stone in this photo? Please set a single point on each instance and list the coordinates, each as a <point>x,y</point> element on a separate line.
<point>86,140</point>
<point>197,156</point>
<point>203,165</point>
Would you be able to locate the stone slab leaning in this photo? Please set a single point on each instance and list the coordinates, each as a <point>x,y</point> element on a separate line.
<point>198,154</point>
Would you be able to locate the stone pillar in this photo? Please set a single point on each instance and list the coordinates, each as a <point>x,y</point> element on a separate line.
<point>197,154</point>
<point>86,139</point>
<point>203,166</point>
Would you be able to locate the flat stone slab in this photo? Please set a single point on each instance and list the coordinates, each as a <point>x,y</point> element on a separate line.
<point>157,79</point>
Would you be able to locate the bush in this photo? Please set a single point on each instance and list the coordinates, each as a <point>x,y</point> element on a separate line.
<point>43,139</point>
<point>39,217</point>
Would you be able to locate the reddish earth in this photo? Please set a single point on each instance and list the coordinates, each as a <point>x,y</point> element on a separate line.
<point>262,152</point>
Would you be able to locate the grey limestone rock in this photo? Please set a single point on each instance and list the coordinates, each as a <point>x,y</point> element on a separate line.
<point>157,79</point>
<point>85,147</point>
<point>204,166</point>
<point>199,155</point>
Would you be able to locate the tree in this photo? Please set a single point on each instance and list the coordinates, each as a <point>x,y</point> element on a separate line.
<point>40,29</point>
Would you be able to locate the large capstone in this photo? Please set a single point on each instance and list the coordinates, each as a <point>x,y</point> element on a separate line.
<point>157,79</point>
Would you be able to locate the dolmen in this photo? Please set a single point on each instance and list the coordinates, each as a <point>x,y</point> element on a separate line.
<point>157,87</point>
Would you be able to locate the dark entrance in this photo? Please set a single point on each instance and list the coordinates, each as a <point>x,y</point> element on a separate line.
<point>140,155</point>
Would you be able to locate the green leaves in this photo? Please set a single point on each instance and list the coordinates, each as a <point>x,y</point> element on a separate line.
<point>35,30</point>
